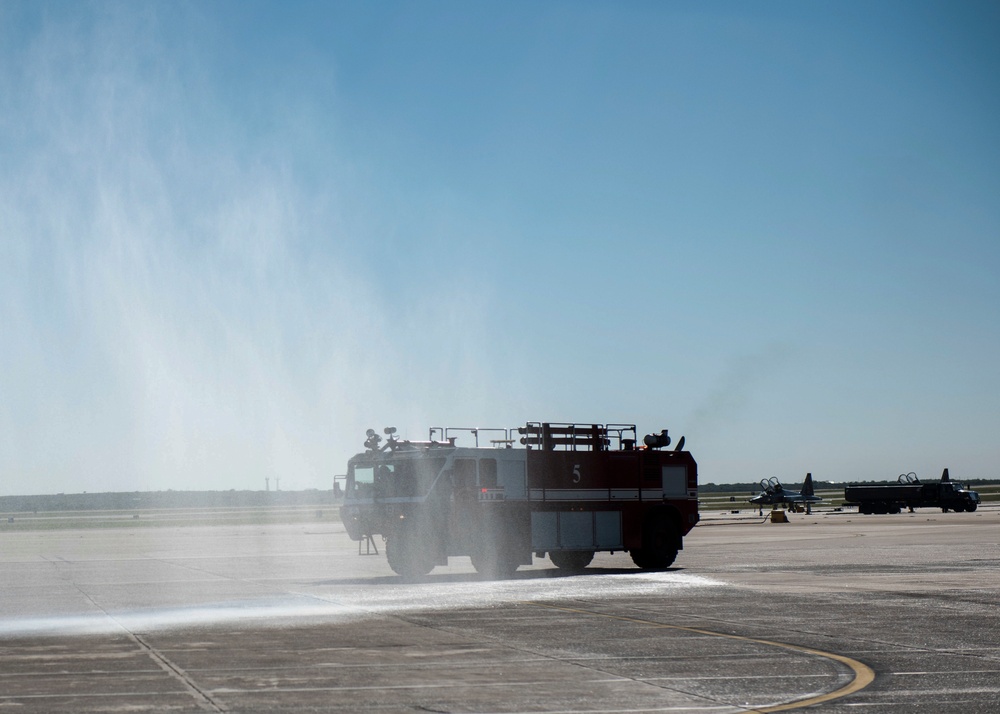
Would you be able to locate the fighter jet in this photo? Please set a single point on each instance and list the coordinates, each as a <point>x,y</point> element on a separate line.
<point>773,494</point>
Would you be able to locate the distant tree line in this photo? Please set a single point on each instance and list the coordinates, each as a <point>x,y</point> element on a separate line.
<point>142,500</point>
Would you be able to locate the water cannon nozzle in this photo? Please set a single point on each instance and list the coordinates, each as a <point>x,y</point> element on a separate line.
<point>657,441</point>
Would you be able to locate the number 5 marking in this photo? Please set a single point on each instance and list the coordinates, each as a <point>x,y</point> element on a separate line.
<point>576,473</point>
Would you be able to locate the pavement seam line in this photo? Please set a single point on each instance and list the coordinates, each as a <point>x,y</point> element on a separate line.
<point>204,700</point>
<point>863,674</point>
<point>612,676</point>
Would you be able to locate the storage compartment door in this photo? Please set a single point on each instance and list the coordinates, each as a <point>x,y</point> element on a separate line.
<point>675,482</point>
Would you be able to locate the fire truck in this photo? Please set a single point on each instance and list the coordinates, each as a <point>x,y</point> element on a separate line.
<point>558,489</point>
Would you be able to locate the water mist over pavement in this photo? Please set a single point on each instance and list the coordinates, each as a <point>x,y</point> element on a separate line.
<point>359,598</point>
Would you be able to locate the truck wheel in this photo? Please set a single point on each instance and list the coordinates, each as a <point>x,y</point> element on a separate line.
<point>407,556</point>
<point>958,507</point>
<point>494,565</point>
<point>493,559</point>
<point>970,507</point>
<point>572,560</point>
<point>659,545</point>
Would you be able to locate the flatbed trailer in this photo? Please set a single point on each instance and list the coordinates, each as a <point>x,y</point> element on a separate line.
<point>910,493</point>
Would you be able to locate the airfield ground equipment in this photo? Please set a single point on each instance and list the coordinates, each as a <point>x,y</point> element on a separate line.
<point>565,490</point>
<point>909,492</point>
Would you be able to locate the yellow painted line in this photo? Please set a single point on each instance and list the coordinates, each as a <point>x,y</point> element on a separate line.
<point>863,674</point>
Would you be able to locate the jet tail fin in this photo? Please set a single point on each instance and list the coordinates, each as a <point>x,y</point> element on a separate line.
<point>807,486</point>
<point>945,476</point>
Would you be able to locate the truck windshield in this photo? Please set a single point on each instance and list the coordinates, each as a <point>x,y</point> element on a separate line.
<point>361,482</point>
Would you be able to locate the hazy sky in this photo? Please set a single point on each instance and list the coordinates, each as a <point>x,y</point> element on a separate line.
<point>234,235</point>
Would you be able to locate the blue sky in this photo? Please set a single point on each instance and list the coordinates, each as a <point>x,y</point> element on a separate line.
<point>235,235</point>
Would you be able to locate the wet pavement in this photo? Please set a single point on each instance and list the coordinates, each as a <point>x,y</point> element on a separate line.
<point>833,612</point>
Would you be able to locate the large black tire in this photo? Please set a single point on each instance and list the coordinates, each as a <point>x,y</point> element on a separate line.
<point>660,543</point>
<point>572,560</point>
<point>493,558</point>
<point>494,561</point>
<point>407,554</point>
<point>970,507</point>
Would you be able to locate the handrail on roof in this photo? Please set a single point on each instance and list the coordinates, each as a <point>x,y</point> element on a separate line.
<point>446,433</point>
<point>548,436</point>
<point>578,437</point>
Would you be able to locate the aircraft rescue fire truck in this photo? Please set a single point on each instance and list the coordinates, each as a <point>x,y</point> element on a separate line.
<point>565,490</point>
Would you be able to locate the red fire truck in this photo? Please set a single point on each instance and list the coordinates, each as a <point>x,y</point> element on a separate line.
<point>566,490</point>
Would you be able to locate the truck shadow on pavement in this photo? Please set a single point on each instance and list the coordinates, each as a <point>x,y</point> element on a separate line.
<point>473,577</point>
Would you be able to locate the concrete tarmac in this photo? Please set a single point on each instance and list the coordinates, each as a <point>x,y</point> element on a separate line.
<point>833,612</point>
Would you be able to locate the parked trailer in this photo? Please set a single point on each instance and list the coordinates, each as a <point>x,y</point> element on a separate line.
<point>910,493</point>
<point>565,490</point>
